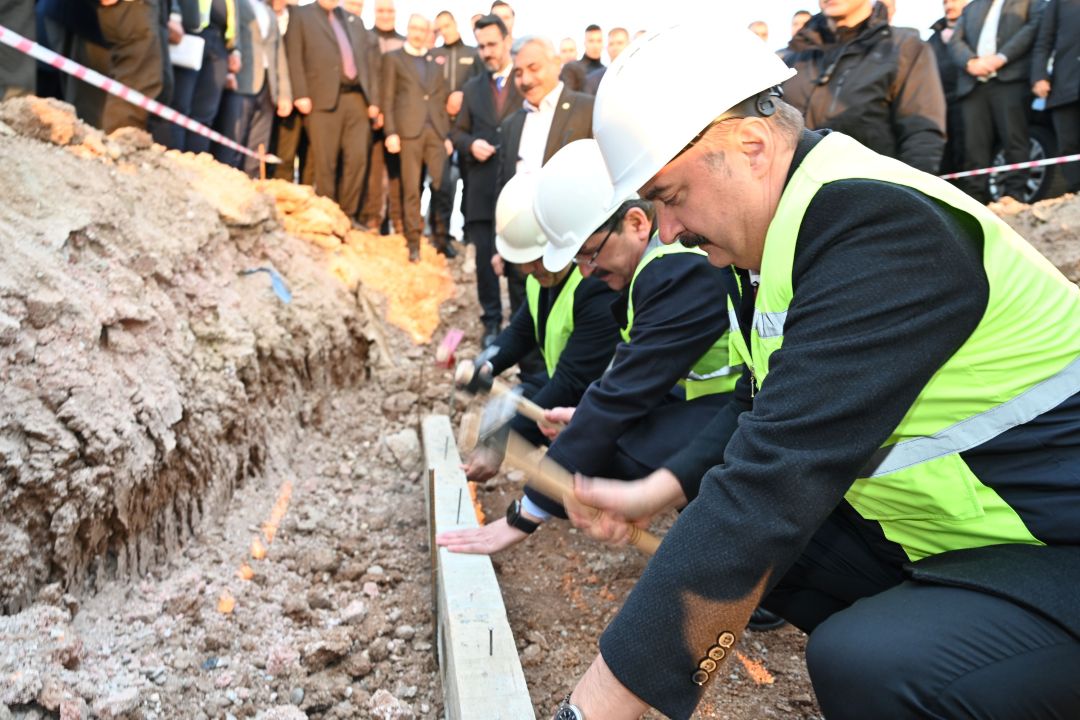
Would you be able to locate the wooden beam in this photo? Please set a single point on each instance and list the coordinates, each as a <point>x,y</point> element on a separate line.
<point>478,659</point>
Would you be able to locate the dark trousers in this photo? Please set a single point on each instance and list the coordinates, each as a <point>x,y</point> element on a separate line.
<point>1066,120</point>
<point>339,141</point>
<point>481,233</point>
<point>515,287</point>
<point>442,203</point>
<point>247,119</point>
<point>995,111</point>
<point>88,100</point>
<point>288,142</point>
<point>18,72</point>
<point>426,150</point>
<point>383,187</point>
<point>131,31</point>
<point>209,87</point>
<point>882,646</point>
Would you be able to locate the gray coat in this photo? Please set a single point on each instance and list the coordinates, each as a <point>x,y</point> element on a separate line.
<point>1015,36</point>
<point>263,59</point>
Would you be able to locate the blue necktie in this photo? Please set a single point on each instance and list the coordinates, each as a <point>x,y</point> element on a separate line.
<point>499,82</point>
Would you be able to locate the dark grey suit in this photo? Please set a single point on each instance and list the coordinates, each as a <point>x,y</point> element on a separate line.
<point>414,107</point>
<point>1059,38</point>
<point>996,107</point>
<point>480,119</point>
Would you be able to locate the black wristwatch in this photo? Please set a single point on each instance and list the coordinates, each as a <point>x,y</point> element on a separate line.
<point>515,520</point>
<point>567,711</point>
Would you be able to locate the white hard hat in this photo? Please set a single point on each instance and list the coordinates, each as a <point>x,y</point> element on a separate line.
<point>667,86</point>
<point>518,237</point>
<point>573,198</point>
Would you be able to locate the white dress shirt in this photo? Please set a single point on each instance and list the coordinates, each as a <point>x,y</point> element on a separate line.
<point>534,134</point>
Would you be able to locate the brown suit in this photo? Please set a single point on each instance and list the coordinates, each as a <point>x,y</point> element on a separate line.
<point>338,123</point>
<point>414,95</point>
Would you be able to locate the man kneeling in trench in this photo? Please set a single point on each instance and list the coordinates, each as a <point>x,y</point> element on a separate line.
<point>906,485</point>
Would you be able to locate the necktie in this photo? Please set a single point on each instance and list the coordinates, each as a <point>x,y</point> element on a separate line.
<point>348,63</point>
<point>500,81</point>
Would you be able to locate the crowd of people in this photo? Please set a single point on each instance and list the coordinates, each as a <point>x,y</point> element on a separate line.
<point>365,115</point>
<point>858,384</point>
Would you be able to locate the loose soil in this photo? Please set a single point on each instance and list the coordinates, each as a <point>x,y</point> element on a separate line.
<point>211,503</point>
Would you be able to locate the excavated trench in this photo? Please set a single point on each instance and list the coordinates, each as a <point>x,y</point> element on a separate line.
<point>142,375</point>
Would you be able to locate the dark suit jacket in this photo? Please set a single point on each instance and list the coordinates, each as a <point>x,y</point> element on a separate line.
<point>573,76</point>
<point>314,58</point>
<point>409,98</point>
<point>366,50</point>
<point>572,121</point>
<point>1015,36</point>
<point>478,120</point>
<point>1058,37</point>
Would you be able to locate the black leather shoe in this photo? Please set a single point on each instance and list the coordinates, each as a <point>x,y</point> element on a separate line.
<point>761,620</point>
<point>491,332</point>
<point>448,250</point>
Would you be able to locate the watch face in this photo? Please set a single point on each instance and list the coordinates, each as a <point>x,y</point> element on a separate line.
<point>567,713</point>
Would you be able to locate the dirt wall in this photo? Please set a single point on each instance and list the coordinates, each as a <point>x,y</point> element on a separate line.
<point>142,375</point>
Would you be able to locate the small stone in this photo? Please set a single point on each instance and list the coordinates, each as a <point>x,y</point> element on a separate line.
<point>223,680</point>
<point>155,698</point>
<point>232,697</point>
<point>385,706</point>
<point>117,704</point>
<point>69,710</point>
<point>379,650</point>
<point>405,632</point>
<point>230,716</point>
<point>318,600</point>
<point>354,613</point>
<point>376,571</point>
<point>357,665</point>
<point>371,589</point>
<point>284,712</point>
<point>394,615</point>
<point>296,607</point>
<point>296,696</point>
<point>281,659</point>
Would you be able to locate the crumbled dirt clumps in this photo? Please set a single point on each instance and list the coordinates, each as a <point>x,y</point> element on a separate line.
<point>1051,226</point>
<point>142,375</point>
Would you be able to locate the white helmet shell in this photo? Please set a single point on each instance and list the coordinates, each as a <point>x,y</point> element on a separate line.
<point>667,86</point>
<point>573,198</point>
<point>518,237</point>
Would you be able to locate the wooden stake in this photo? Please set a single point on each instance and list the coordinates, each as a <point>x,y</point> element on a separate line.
<point>262,161</point>
<point>557,482</point>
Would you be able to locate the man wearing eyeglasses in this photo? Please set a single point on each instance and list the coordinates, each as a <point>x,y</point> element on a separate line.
<point>672,371</point>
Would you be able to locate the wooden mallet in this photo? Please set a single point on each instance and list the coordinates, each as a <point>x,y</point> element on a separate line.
<point>555,481</point>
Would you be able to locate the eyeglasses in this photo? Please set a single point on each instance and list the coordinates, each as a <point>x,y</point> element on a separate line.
<point>591,262</point>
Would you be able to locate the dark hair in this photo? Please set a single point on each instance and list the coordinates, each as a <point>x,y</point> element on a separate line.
<point>488,21</point>
<point>500,3</point>
<point>615,222</point>
<point>593,28</point>
<point>447,13</point>
<point>802,12</point>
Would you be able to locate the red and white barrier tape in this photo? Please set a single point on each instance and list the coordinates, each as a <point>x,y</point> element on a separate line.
<point>43,54</point>
<point>1015,166</point>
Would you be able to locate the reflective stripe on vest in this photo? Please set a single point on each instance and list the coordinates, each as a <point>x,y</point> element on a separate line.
<point>713,373</point>
<point>560,320</point>
<point>1020,361</point>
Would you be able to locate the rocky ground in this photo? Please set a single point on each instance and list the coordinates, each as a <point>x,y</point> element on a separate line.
<point>211,503</point>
